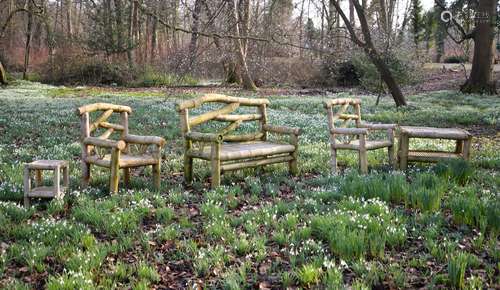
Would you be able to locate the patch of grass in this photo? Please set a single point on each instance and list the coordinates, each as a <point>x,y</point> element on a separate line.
<point>262,226</point>
<point>456,270</point>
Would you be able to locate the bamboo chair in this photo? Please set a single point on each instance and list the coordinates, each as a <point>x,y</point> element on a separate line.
<point>227,149</point>
<point>355,138</point>
<point>126,152</point>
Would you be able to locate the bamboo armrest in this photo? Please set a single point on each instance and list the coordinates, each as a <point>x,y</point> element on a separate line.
<point>372,126</point>
<point>282,130</point>
<point>204,137</point>
<point>136,139</point>
<point>349,131</point>
<point>120,145</point>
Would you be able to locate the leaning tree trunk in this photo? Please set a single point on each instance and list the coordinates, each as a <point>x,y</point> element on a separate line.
<point>481,75</point>
<point>3,76</point>
<point>387,77</point>
<point>370,49</point>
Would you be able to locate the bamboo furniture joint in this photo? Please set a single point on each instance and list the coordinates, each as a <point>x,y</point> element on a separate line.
<point>41,191</point>
<point>124,153</point>
<point>462,149</point>
<point>227,149</point>
<point>355,138</point>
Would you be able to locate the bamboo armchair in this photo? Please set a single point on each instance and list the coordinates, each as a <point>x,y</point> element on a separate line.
<point>355,138</point>
<point>229,150</point>
<point>125,152</point>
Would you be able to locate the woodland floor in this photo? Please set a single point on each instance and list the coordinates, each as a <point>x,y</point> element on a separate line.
<point>434,226</point>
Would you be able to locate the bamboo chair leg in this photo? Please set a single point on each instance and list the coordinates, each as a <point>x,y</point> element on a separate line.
<point>85,174</point>
<point>467,148</point>
<point>27,187</point>
<point>363,156</point>
<point>363,162</point>
<point>392,159</point>
<point>403,151</point>
<point>333,161</point>
<point>65,173</point>
<point>293,167</point>
<point>126,177</point>
<point>115,171</point>
<point>57,181</point>
<point>188,169</point>
<point>156,175</point>
<point>216,170</point>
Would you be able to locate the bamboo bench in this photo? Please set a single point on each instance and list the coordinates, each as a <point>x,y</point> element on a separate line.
<point>124,152</point>
<point>228,149</point>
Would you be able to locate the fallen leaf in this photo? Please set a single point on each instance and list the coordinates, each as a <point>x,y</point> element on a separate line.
<point>264,285</point>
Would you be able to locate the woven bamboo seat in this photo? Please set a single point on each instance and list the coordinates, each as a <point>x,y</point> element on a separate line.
<point>228,149</point>
<point>123,152</point>
<point>232,151</point>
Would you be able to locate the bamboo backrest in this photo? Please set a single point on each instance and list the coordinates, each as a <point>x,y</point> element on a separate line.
<point>342,111</point>
<point>88,126</point>
<point>226,114</point>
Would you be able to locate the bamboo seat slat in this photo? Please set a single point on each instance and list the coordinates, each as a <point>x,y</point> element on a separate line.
<point>232,151</point>
<point>125,160</point>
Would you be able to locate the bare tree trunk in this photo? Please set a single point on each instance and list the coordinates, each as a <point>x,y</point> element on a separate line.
<point>481,75</point>
<point>352,21</point>
<point>193,45</point>
<point>27,47</point>
<point>175,16</point>
<point>69,18</point>
<point>301,27</point>
<point>154,38</point>
<point>119,23</point>
<point>240,52</point>
<point>131,32</point>
<point>3,76</point>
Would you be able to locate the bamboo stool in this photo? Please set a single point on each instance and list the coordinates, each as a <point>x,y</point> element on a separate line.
<point>40,191</point>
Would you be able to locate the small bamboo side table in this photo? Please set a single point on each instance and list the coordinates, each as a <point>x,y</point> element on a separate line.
<point>40,191</point>
<point>405,154</point>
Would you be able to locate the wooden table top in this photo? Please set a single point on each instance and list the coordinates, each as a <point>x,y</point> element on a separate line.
<point>436,133</point>
<point>47,164</point>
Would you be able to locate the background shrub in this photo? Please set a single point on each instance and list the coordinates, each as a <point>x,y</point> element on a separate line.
<point>77,71</point>
<point>456,59</point>
<point>403,68</point>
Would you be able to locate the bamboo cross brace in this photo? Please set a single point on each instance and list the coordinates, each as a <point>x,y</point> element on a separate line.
<point>102,118</point>
<point>341,111</point>
<point>230,127</point>
<point>213,114</point>
<point>108,125</point>
<point>106,134</point>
